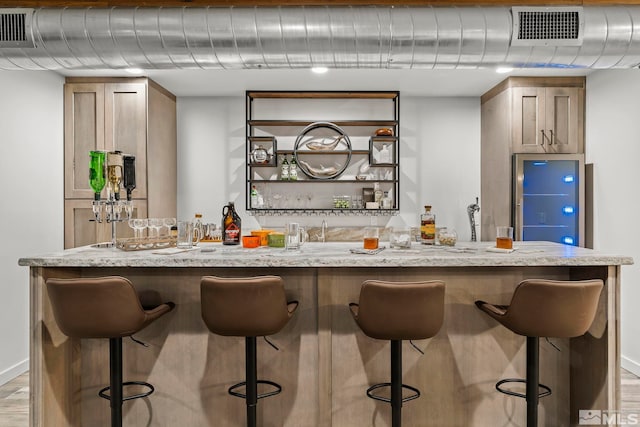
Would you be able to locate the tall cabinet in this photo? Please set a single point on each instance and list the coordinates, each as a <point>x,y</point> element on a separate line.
<point>543,115</point>
<point>135,116</point>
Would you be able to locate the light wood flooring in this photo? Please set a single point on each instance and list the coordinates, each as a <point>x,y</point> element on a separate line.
<point>14,399</point>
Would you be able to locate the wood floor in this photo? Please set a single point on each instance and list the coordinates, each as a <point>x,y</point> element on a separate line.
<point>14,399</point>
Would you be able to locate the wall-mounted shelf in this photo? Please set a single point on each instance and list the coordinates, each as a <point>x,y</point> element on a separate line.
<point>283,116</point>
<point>324,212</point>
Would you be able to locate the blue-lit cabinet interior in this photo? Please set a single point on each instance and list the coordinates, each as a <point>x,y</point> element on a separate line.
<point>549,198</point>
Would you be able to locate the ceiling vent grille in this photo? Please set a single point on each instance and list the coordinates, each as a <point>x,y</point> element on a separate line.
<point>15,28</point>
<point>542,26</point>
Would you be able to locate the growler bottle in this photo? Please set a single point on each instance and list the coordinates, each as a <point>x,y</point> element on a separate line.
<point>231,225</point>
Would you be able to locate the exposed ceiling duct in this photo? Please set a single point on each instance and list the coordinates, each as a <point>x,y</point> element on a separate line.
<point>335,37</point>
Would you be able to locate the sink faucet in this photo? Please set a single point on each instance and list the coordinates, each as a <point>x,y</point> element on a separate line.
<point>323,228</point>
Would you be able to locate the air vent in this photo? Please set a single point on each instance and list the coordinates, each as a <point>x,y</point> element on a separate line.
<point>547,26</point>
<point>15,28</point>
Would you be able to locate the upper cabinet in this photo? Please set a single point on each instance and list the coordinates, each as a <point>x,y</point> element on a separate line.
<point>548,119</point>
<point>540,114</point>
<point>103,116</point>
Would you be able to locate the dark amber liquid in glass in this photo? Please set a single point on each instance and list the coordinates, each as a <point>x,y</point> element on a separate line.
<point>371,243</point>
<point>504,243</point>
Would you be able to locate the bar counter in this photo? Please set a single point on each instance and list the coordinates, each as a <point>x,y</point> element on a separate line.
<point>325,362</point>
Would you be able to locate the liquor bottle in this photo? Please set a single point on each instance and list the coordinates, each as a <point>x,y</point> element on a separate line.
<point>293,169</point>
<point>96,172</point>
<point>385,155</point>
<point>284,169</point>
<point>129,178</point>
<point>254,197</point>
<point>377,193</point>
<point>232,225</point>
<point>428,227</point>
<point>386,201</point>
<point>114,172</point>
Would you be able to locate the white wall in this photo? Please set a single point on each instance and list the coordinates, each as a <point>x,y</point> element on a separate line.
<point>439,157</point>
<point>31,120</point>
<point>613,145</point>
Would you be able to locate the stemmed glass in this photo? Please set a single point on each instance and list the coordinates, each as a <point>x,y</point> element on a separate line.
<point>138,225</point>
<point>168,223</point>
<point>155,224</point>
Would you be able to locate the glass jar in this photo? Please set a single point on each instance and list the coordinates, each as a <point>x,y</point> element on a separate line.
<point>400,237</point>
<point>342,202</point>
<point>260,155</point>
<point>447,237</point>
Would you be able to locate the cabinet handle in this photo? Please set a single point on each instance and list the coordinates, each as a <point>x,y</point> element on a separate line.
<point>543,137</point>
<point>551,139</point>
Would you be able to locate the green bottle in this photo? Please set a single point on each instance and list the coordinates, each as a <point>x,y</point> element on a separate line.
<point>293,169</point>
<point>284,171</point>
<point>97,178</point>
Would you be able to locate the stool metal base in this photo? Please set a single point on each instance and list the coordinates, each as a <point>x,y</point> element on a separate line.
<point>396,386</point>
<point>546,392</point>
<point>251,395</point>
<point>278,389</point>
<point>102,393</point>
<point>533,386</point>
<point>415,395</point>
<point>115,396</point>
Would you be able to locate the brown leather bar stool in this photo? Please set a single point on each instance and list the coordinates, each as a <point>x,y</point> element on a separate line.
<point>544,308</point>
<point>247,307</point>
<point>398,311</point>
<point>104,307</point>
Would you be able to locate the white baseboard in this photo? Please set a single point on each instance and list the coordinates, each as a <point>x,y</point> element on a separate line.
<point>630,365</point>
<point>14,371</point>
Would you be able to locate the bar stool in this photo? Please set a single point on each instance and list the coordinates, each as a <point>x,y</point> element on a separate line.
<point>247,307</point>
<point>398,311</point>
<point>544,308</point>
<point>104,307</point>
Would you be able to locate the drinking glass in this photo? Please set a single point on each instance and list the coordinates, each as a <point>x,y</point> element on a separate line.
<point>154,226</point>
<point>504,237</point>
<point>139,224</point>
<point>371,237</point>
<point>186,235</point>
<point>168,223</point>
<point>295,236</point>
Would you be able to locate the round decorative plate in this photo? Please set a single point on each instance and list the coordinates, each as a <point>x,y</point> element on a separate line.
<point>318,138</point>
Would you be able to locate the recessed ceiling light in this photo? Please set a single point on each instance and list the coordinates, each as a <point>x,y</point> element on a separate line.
<point>134,70</point>
<point>503,70</point>
<point>319,70</point>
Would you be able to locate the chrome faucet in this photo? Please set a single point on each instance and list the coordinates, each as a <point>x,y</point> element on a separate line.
<point>323,228</point>
<point>471,210</point>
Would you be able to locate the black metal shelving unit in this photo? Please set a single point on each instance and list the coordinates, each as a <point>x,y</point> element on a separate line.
<point>271,131</point>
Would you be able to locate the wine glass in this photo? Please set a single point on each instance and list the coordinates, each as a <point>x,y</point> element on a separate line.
<point>155,224</point>
<point>138,225</point>
<point>169,222</point>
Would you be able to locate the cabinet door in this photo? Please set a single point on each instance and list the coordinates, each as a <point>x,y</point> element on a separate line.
<point>528,120</point>
<point>563,120</point>
<point>79,230</point>
<point>83,132</point>
<point>126,126</point>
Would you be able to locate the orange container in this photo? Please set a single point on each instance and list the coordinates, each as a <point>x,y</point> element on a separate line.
<point>250,241</point>
<point>263,235</point>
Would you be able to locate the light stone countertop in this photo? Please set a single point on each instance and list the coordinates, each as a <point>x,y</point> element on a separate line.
<point>334,254</point>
